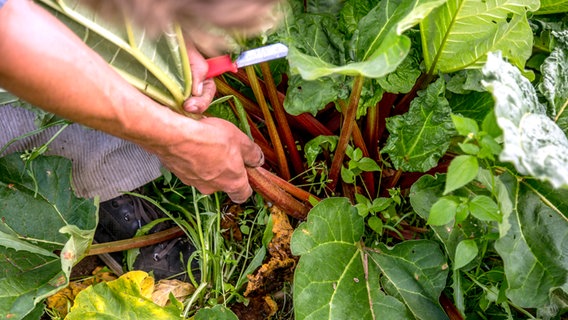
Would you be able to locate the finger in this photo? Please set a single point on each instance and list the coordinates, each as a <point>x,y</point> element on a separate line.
<point>252,155</point>
<point>241,194</point>
<point>198,104</point>
<point>199,68</point>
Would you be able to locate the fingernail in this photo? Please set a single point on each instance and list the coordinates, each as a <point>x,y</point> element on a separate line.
<point>200,89</point>
<point>192,107</point>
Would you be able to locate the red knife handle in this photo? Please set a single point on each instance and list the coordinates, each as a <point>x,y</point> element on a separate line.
<point>220,65</point>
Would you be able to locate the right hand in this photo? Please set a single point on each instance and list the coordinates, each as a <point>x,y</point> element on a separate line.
<point>212,154</point>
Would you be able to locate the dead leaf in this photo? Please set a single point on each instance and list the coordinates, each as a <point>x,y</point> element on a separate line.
<point>62,301</point>
<point>270,277</point>
<point>163,288</point>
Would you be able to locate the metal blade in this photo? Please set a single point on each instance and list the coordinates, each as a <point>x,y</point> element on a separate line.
<point>262,54</point>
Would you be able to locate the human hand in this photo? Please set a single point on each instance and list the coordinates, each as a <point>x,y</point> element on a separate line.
<point>212,155</point>
<point>202,89</point>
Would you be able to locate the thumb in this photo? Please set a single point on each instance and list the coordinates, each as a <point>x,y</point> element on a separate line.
<point>252,155</point>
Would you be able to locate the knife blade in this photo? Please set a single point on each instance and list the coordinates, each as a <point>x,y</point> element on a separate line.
<point>222,64</point>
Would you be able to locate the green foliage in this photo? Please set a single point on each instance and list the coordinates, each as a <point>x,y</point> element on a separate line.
<point>421,136</point>
<point>489,26</point>
<point>338,278</point>
<point>128,297</point>
<point>38,192</point>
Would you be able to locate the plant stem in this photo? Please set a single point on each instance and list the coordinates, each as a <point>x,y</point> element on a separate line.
<point>280,115</point>
<point>276,195</point>
<point>305,121</point>
<point>288,187</point>
<point>271,126</point>
<point>138,242</point>
<point>346,131</point>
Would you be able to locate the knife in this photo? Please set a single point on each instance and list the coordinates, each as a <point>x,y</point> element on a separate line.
<point>222,64</point>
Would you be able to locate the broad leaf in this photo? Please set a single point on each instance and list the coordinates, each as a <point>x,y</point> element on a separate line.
<point>460,33</point>
<point>532,141</point>
<point>39,216</point>
<point>552,6</point>
<point>157,66</point>
<point>554,85</point>
<point>416,271</point>
<point>534,250</point>
<point>218,312</point>
<point>128,297</point>
<point>421,136</point>
<point>462,170</point>
<point>379,45</point>
<point>336,278</point>
<point>466,251</point>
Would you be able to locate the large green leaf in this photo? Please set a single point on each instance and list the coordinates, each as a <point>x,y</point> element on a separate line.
<point>157,66</point>
<point>128,298</point>
<point>337,278</point>
<point>416,271</point>
<point>532,141</point>
<point>552,6</point>
<point>535,250</point>
<point>554,85</point>
<point>460,33</point>
<point>421,136</point>
<point>39,216</point>
<point>379,44</point>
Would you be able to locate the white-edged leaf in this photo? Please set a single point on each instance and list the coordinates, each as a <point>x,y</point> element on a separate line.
<point>532,141</point>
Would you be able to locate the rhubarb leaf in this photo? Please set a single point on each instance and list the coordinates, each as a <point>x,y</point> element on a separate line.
<point>552,6</point>
<point>532,141</point>
<point>534,250</point>
<point>40,216</point>
<point>338,278</point>
<point>379,45</point>
<point>460,33</point>
<point>157,66</point>
<point>554,85</point>
<point>421,136</point>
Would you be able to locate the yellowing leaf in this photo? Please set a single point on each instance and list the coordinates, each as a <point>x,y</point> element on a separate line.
<point>128,297</point>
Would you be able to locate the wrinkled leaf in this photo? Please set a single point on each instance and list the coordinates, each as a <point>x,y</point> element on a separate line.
<point>311,96</point>
<point>532,141</point>
<point>461,32</point>
<point>554,85</point>
<point>128,297</point>
<point>421,136</point>
<point>336,278</point>
<point>416,271</point>
<point>31,270</point>
<point>157,66</point>
<point>534,250</point>
<point>552,6</point>
<point>379,48</point>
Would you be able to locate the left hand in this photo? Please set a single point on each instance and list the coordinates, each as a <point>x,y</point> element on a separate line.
<point>202,89</point>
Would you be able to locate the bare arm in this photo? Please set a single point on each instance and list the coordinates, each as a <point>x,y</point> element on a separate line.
<point>46,64</point>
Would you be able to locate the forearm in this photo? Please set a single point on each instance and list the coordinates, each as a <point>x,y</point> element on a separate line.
<point>47,65</point>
